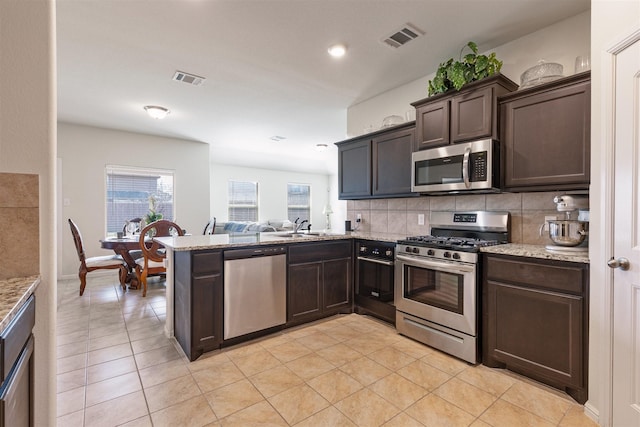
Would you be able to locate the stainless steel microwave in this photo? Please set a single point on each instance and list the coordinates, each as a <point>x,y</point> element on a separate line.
<point>470,166</point>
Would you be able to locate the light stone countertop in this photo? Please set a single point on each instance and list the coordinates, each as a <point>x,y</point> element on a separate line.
<point>533,251</point>
<point>223,241</point>
<point>13,294</point>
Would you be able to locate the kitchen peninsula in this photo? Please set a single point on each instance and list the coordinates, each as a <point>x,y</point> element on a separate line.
<point>318,267</point>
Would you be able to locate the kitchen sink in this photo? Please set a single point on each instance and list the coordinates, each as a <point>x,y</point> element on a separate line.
<point>301,235</point>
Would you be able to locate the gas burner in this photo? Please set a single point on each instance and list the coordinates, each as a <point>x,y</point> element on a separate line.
<point>457,243</point>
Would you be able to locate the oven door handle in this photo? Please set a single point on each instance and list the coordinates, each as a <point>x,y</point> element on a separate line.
<point>435,265</point>
<point>465,167</point>
<point>377,261</point>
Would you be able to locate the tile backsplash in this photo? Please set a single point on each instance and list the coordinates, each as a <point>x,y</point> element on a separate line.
<point>400,216</point>
<point>19,216</point>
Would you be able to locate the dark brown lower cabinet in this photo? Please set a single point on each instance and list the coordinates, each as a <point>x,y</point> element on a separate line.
<point>16,368</point>
<point>535,320</point>
<point>305,291</point>
<point>198,301</point>
<point>319,280</point>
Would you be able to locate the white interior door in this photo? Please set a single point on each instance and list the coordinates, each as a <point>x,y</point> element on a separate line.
<point>626,249</point>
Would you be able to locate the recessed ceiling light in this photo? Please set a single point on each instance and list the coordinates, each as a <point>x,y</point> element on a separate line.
<point>337,50</point>
<point>321,147</point>
<point>156,112</point>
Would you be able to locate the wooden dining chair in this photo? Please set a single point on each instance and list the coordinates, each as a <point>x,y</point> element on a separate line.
<point>210,228</point>
<point>153,253</point>
<point>87,265</point>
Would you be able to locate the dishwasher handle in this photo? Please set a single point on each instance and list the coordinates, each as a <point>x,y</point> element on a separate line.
<point>254,252</point>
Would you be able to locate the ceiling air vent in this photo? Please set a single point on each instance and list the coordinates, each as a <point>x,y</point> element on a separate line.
<point>402,36</point>
<point>192,79</point>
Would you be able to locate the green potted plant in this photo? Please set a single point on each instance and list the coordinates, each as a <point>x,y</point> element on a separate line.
<point>153,214</point>
<point>455,74</point>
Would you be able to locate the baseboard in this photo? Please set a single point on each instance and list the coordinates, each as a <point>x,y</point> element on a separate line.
<point>592,412</point>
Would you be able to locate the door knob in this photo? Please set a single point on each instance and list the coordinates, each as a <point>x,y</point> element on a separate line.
<point>621,263</point>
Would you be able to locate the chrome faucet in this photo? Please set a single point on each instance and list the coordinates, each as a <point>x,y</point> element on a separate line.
<point>297,226</point>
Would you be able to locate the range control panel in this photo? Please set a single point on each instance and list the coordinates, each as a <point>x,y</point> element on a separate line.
<point>374,249</point>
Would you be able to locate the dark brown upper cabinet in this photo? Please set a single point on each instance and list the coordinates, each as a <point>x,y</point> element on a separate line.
<point>459,116</point>
<point>354,169</point>
<point>377,164</point>
<point>546,136</point>
<point>391,158</point>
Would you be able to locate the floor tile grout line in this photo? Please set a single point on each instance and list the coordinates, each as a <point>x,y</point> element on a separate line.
<point>423,359</point>
<point>120,307</point>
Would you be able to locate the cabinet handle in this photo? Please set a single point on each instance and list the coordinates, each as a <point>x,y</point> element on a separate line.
<point>377,261</point>
<point>621,263</point>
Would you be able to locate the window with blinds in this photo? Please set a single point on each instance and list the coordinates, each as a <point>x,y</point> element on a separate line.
<point>299,202</point>
<point>243,201</point>
<point>128,193</point>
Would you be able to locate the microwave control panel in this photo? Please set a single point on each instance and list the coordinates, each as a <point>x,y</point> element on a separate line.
<point>478,166</point>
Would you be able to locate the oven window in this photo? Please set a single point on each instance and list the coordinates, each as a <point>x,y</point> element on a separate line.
<point>434,288</point>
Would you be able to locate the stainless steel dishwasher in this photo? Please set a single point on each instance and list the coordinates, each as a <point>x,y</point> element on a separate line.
<point>255,289</point>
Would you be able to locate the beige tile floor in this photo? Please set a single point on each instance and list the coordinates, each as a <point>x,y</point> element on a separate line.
<point>115,367</point>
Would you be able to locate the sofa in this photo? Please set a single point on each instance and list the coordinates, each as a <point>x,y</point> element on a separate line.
<point>235,227</point>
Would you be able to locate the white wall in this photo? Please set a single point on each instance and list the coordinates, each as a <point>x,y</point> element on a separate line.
<point>86,150</point>
<point>272,191</point>
<point>28,145</point>
<point>560,42</point>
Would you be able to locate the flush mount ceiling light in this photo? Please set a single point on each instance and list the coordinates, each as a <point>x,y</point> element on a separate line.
<point>277,138</point>
<point>337,50</point>
<point>156,112</point>
<point>321,147</point>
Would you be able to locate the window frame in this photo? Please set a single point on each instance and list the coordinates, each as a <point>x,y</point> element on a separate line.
<point>113,169</point>
<point>308,206</point>
<point>255,207</point>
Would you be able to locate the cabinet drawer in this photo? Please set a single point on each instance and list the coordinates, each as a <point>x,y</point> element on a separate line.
<point>312,252</point>
<point>207,262</point>
<point>13,338</point>
<point>559,277</point>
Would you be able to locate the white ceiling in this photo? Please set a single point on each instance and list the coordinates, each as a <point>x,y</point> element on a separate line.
<point>266,64</point>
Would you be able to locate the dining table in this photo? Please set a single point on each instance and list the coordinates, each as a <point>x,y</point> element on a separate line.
<point>125,247</point>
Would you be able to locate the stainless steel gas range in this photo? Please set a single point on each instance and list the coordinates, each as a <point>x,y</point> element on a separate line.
<point>437,280</point>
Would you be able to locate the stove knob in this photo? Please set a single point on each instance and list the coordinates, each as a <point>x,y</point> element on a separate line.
<point>456,255</point>
<point>388,253</point>
<point>431,252</point>
<point>363,249</point>
<point>416,250</point>
<point>407,249</point>
<point>447,254</point>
